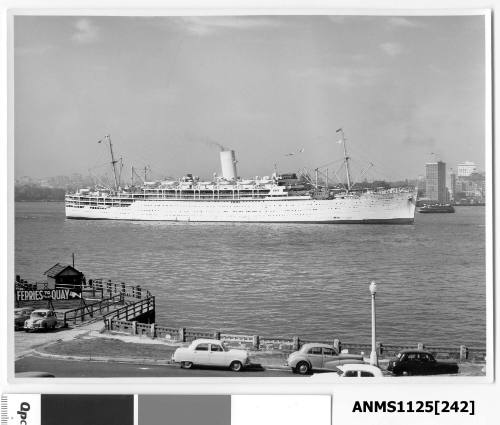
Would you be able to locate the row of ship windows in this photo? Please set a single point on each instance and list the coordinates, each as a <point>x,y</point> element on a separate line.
<point>179,196</point>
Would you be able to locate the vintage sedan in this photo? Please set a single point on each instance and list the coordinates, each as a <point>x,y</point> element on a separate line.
<point>21,314</point>
<point>41,319</point>
<point>315,356</point>
<point>356,370</point>
<point>419,362</point>
<point>210,352</point>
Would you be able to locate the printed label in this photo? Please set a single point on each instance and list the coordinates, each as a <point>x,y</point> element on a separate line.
<point>21,409</point>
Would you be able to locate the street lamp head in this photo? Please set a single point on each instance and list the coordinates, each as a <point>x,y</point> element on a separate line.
<point>373,287</point>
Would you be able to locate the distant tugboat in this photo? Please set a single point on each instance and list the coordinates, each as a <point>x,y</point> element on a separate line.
<point>437,208</point>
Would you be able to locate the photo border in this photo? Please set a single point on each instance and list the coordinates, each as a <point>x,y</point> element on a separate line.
<point>237,385</point>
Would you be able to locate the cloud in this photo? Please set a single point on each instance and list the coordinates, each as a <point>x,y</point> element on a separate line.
<point>392,49</point>
<point>399,21</point>
<point>36,50</point>
<point>337,19</point>
<point>206,25</point>
<point>86,31</point>
<point>341,76</point>
<point>419,140</point>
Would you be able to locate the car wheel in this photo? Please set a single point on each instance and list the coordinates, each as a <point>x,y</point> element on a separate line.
<point>44,327</point>
<point>236,366</point>
<point>186,365</point>
<point>302,368</point>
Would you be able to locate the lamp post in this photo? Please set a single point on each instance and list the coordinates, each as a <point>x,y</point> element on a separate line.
<point>373,355</point>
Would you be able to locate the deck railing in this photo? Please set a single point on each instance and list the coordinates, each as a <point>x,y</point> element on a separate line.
<point>130,311</point>
<point>108,287</point>
<point>88,311</point>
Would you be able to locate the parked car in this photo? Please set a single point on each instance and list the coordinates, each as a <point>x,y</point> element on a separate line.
<point>315,356</point>
<point>419,362</point>
<point>21,314</point>
<point>356,370</point>
<point>41,319</point>
<point>210,352</point>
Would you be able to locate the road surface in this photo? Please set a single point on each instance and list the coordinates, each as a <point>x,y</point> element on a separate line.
<point>93,369</point>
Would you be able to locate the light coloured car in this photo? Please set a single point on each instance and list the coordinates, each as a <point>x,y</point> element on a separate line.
<point>316,356</point>
<point>41,319</point>
<point>21,314</point>
<point>210,352</point>
<point>356,370</point>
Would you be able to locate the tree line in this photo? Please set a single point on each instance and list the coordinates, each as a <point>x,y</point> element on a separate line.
<point>34,192</point>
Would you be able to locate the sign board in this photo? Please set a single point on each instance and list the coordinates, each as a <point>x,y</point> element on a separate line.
<point>46,285</point>
<point>47,294</point>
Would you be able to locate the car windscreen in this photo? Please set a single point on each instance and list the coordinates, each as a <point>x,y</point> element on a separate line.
<point>38,314</point>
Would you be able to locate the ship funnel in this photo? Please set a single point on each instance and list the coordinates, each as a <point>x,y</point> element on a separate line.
<point>228,164</point>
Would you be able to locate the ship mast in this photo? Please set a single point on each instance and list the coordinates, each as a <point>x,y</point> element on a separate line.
<point>113,160</point>
<point>346,159</point>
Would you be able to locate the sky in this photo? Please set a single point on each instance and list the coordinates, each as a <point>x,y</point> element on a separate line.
<point>171,90</point>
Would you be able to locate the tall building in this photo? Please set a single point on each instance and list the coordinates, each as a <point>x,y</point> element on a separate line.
<point>435,181</point>
<point>466,168</point>
<point>453,184</point>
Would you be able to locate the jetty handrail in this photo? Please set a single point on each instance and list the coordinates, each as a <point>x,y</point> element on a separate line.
<point>92,308</point>
<point>131,310</point>
<point>107,285</point>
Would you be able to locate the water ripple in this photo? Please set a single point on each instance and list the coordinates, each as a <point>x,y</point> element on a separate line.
<point>282,279</point>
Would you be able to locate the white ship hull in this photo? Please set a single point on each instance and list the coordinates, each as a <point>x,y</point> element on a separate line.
<point>396,207</point>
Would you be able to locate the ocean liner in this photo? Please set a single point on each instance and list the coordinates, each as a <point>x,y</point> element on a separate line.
<point>283,198</point>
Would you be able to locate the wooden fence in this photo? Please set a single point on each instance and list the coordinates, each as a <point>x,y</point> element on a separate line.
<point>108,287</point>
<point>131,311</point>
<point>266,343</point>
<point>88,311</point>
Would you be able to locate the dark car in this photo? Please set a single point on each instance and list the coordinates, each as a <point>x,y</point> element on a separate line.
<point>419,362</point>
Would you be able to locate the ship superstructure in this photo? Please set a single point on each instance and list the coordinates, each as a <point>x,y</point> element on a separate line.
<point>227,198</point>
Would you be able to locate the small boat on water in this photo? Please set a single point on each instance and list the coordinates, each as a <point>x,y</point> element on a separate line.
<point>437,208</point>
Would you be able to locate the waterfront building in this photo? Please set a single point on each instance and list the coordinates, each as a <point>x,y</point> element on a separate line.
<point>471,189</point>
<point>466,168</point>
<point>63,275</point>
<point>421,186</point>
<point>435,181</point>
<point>452,187</point>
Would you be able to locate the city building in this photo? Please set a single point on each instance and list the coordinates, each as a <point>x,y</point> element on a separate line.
<point>435,181</point>
<point>466,168</point>
<point>452,186</point>
<point>421,186</point>
<point>470,189</point>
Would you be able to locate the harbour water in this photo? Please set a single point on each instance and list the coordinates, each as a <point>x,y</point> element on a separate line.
<point>309,280</point>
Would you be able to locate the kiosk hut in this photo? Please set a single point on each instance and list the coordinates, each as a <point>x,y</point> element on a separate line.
<point>64,276</point>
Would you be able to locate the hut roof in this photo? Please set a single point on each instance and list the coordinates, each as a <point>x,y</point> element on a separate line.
<point>58,268</point>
